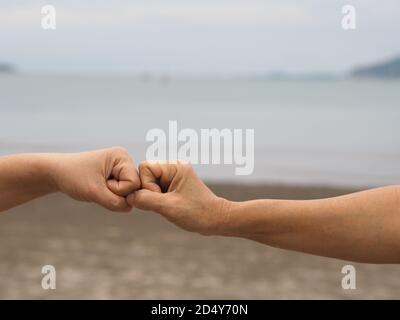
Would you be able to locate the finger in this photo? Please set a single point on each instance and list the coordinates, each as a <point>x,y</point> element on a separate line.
<point>125,178</point>
<point>148,200</point>
<point>111,201</point>
<point>123,188</point>
<point>156,176</point>
<point>149,175</point>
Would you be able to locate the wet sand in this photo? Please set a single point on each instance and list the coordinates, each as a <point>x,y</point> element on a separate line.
<point>102,255</point>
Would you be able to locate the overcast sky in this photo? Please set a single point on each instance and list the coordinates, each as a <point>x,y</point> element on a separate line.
<point>197,36</point>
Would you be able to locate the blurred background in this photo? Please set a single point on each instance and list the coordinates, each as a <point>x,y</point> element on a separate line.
<point>324,103</point>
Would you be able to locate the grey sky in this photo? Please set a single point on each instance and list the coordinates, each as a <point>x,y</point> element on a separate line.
<point>198,36</point>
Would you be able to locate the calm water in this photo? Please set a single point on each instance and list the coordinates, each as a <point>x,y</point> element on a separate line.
<point>330,132</point>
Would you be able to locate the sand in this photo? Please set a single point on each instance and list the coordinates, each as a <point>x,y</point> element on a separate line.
<point>102,255</point>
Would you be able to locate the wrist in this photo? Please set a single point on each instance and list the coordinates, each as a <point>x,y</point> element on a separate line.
<point>240,218</point>
<point>36,172</point>
<point>226,211</point>
<point>47,166</point>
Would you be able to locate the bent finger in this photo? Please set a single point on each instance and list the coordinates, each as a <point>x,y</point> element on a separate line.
<point>125,178</point>
<point>147,200</point>
<point>111,201</point>
<point>157,176</point>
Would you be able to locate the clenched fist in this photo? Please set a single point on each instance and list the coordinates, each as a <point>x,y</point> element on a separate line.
<point>175,191</point>
<point>103,176</point>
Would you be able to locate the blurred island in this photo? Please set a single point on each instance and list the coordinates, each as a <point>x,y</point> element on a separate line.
<point>281,75</point>
<point>7,68</point>
<point>299,76</point>
<point>387,69</point>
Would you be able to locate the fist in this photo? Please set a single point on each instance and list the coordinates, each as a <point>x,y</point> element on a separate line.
<point>103,176</point>
<point>175,191</point>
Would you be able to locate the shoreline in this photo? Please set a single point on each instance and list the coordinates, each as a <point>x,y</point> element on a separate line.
<point>103,255</point>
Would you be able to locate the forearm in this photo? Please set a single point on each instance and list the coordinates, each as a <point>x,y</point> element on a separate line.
<point>363,226</point>
<point>24,177</point>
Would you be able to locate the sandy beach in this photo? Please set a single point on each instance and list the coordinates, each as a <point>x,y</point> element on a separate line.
<point>101,255</point>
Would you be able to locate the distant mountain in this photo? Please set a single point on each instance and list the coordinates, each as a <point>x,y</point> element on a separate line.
<point>277,75</point>
<point>301,76</point>
<point>388,69</point>
<point>7,68</point>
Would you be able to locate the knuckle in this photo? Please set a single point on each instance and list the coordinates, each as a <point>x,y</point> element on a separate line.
<point>115,205</point>
<point>143,165</point>
<point>131,186</point>
<point>136,184</point>
<point>138,199</point>
<point>130,199</point>
<point>120,151</point>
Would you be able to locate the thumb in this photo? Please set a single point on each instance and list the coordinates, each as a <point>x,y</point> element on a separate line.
<point>148,200</point>
<point>111,201</point>
<point>123,188</point>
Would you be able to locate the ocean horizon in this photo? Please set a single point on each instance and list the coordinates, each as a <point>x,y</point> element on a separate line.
<point>331,132</point>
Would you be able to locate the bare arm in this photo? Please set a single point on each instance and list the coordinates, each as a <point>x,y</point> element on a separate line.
<point>23,178</point>
<point>103,176</point>
<point>362,227</point>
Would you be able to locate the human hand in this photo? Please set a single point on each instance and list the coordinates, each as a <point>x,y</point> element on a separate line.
<point>175,191</point>
<point>104,176</point>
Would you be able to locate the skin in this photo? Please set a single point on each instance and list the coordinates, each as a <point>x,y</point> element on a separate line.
<point>360,227</point>
<point>103,176</point>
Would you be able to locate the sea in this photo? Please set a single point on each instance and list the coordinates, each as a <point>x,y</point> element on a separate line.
<point>336,132</point>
